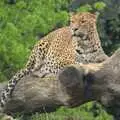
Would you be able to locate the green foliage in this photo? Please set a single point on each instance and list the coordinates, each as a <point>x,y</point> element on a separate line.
<point>84,112</point>
<point>21,25</point>
<point>99,5</point>
<point>112,27</point>
<point>85,8</point>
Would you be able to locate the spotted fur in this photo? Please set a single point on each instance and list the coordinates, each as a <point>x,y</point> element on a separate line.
<point>61,48</point>
<point>86,39</point>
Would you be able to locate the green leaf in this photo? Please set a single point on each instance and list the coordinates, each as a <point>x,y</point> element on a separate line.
<point>85,8</point>
<point>99,5</point>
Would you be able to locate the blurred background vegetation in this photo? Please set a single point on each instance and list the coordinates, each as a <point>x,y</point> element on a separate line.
<point>24,22</point>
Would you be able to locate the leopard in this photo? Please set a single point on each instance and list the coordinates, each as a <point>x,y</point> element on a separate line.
<point>86,39</point>
<point>59,49</point>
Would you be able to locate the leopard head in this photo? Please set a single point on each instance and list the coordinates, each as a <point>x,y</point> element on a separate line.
<point>84,32</point>
<point>81,23</point>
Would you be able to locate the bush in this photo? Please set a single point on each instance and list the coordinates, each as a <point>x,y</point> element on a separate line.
<point>21,25</point>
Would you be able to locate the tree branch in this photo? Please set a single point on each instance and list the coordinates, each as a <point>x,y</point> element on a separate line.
<point>72,87</point>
